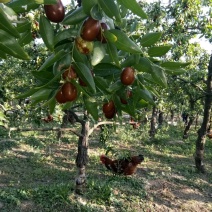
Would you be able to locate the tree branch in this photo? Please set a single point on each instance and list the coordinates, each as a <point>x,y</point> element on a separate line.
<point>98,124</point>
<point>193,84</point>
<point>43,129</point>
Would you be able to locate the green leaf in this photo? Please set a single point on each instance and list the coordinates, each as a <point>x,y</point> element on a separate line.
<point>3,55</point>
<point>47,32</point>
<point>27,93</point>
<point>6,24</point>
<point>146,95</point>
<point>129,61</point>
<point>110,9</point>
<point>116,86</point>
<point>159,76</point>
<point>96,12</point>
<point>158,51</point>
<point>85,74</point>
<point>62,64</point>
<point>98,53</point>
<point>175,71</point>
<point>46,1</point>
<point>144,65</point>
<point>52,59</point>
<point>41,94</point>
<point>124,43</point>
<point>23,25</point>
<point>75,17</point>
<point>110,36</point>
<point>9,45</point>
<point>52,105</point>
<point>112,51</point>
<point>43,76</point>
<point>91,107</point>
<point>150,39</point>
<point>174,65</point>
<point>67,34</point>
<point>106,69</point>
<point>26,38</point>
<point>23,5</point>
<point>87,5</point>
<point>134,7</point>
<point>101,84</point>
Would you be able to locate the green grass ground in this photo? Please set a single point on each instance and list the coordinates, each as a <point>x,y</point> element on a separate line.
<point>37,173</point>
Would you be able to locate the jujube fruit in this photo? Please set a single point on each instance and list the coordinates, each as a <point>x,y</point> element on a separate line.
<point>84,47</point>
<point>100,36</point>
<point>110,115</point>
<point>127,96</point>
<point>69,73</point>
<point>108,107</point>
<point>90,29</point>
<point>60,98</point>
<point>69,91</point>
<point>128,76</point>
<point>55,12</point>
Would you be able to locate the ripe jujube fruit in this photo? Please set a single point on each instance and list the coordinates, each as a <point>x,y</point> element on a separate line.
<point>60,97</point>
<point>69,73</point>
<point>69,91</point>
<point>84,47</point>
<point>110,115</point>
<point>55,12</point>
<point>124,99</point>
<point>108,107</point>
<point>100,36</point>
<point>90,29</point>
<point>128,76</point>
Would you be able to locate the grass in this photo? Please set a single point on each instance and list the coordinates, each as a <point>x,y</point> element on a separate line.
<point>37,173</point>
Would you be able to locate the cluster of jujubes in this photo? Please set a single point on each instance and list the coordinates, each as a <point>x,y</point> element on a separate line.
<point>109,109</point>
<point>68,92</point>
<point>91,30</point>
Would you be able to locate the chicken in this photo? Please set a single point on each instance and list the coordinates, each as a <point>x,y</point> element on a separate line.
<point>126,166</point>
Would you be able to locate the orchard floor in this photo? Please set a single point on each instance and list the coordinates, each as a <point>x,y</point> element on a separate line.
<point>37,173</point>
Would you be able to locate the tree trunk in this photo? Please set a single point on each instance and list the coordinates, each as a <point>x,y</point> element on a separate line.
<point>191,118</point>
<point>172,116</point>
<point>67,117</point>
<point>152,131</point>
<point>82,156</point>
<point>160,118</point>
<point>188,126</point>
<point>196,121</point>
<point>200,142</point>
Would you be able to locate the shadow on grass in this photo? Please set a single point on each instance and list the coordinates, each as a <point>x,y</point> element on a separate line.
<point>8,144</point>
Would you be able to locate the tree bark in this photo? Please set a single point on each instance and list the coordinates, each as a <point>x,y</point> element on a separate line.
<point>172,116</point>
<point>201,139</point>
<point>191,118</point>
<point>152,131</point>
<point>160,118</point>
<point>188,126</point>
<point>82,156</point>
<point>67,117</point>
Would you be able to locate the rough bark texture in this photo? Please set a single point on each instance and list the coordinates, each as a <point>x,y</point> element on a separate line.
<point>153,122</point>
<point>200,142</point>
<point>196,121</point>
<point>160,118</point>
<point>82,155</point>
<point>187,127</point>
<point>191,118</point>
